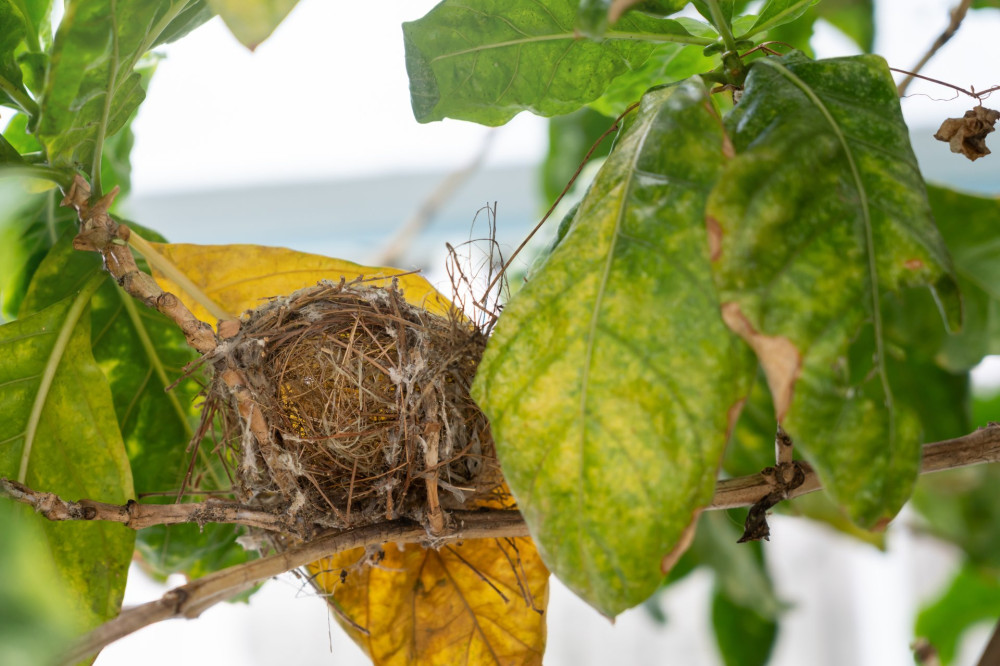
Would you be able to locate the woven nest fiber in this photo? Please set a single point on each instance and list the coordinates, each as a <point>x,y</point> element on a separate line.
<point>367,408</point>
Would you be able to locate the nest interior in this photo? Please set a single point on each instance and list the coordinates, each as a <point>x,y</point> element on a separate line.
<point>367,407</point>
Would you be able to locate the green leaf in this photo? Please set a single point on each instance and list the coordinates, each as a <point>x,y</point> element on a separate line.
<point>668,63</point>
<point>488,60</point>
<point>58,433</point>
<point>959,506</point>
<point>610,379</point>
<point>252,21</point>
<point>777,12</point>
<point>141,353</point>
<point>972,597</point>
<point>594,16</point>
<point>36,625</point>
<point>803,264</point>
<point>969,227</point>
<point>744,636</point>
<point>14,33</point>
<point>29,225</point>
<point>91,89</point>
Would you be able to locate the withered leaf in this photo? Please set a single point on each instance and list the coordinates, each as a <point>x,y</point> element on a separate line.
<point>476,602</point>
<point>967,135</point>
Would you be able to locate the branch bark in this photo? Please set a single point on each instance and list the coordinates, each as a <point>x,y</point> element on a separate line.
<point>137,516</point>
<point>189,601</point>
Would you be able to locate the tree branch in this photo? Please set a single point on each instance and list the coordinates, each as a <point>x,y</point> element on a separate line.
<point>957,15</point>
<point>978,447</point>
<point>138,516</point>
<point>190,600</point>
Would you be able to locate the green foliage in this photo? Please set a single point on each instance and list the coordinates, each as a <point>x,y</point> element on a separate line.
<point>859,226</point>
<point>972,597</point>
<point>60,433</point>
<point>36,625</point>
<point>791,214</point>
<point>526,56</point>
<point>580,426</point>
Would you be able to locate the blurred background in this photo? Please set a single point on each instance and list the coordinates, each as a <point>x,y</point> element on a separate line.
<point>309,143</point>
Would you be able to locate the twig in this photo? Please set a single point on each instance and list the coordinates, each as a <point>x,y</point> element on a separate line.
<point>957,15</point>
<point>981,446</point>
<point>100,233</point>
<point>395,249</point>
<point>190,600</point>
<point>991,655</point>
<point>978,96</point>
<point>576,174</point>
<point>138,516</point>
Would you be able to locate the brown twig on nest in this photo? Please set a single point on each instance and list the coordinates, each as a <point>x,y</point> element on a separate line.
<point>955,22</point>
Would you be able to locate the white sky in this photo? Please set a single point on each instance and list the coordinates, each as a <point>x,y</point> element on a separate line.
<point>327,96</point>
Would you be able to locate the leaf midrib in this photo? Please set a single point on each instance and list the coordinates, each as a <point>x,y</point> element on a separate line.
<point>52,365</point>
<point>867,223</point>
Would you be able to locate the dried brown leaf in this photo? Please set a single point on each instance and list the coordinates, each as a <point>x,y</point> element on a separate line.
<point>967,135</point>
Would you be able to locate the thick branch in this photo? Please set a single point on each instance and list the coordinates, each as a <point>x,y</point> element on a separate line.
<point>138,516</point>
<point>190,600</point>
<point>978,447</point>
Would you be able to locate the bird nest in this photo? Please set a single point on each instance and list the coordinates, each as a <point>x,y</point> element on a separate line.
<point>356,408</point>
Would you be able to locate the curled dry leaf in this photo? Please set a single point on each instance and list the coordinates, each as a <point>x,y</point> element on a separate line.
<point>967,135</point>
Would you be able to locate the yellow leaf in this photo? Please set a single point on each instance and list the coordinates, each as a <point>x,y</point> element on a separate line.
<point>252,21</point>
<point>426,606</point>
<point>241,277</point>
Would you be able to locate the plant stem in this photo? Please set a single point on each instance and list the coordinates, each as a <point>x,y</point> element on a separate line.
<point>109,95</point>
<point>720,23</point>
<point>28,105</point>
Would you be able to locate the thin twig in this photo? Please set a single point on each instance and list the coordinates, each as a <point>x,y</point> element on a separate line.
<point>576,174</point>
<point>978,96</point>
<point>957,15</point>
<point>396,248</point>
<point>139,516</point>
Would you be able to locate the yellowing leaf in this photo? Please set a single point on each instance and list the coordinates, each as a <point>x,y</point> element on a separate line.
<point>252,21</point>
<point>241,277</point>
<point>476,602</point>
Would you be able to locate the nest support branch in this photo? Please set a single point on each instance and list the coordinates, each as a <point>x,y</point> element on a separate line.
<point>189,601</point>
<point>138,516</point>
